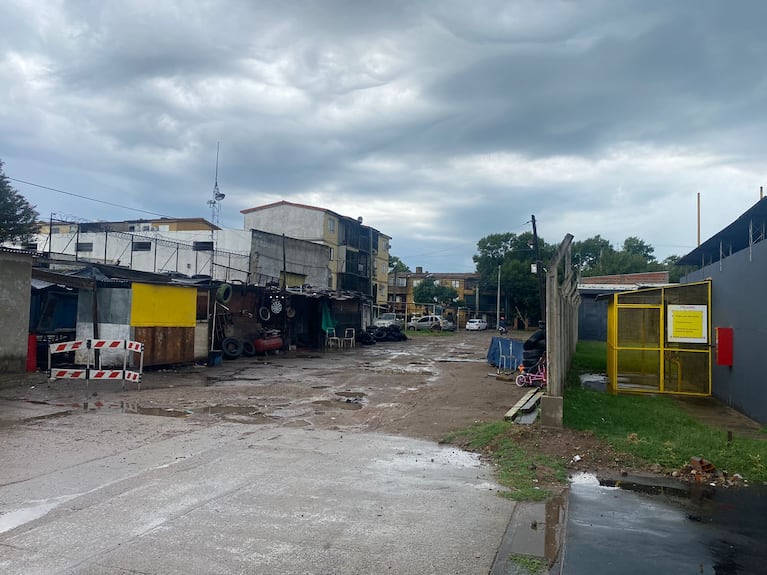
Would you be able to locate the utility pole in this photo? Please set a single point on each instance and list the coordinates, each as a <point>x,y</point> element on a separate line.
<point>498,299</point>
<point>539,270</point>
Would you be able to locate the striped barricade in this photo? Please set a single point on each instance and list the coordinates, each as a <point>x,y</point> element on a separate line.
<point>91,371</point>
<point>65,346</point>
<point>69,374</point>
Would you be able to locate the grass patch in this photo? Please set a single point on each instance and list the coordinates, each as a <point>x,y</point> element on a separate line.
<point>516,469</point>
<point>590,357</point>
<point>531,564</point>
<point>655,428</point>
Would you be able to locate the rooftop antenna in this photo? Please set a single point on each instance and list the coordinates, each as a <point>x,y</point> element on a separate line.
<point>215,202</point>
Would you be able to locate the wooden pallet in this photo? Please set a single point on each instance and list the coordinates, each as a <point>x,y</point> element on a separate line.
<point>525,404</point>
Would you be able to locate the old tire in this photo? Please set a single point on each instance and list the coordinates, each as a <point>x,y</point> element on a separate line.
<point>248,348</point>
<point>231,347</point>
<point>224,293</point>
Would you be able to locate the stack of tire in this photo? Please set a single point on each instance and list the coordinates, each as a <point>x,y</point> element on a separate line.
<point>534,349</point>
<point>389,333</point>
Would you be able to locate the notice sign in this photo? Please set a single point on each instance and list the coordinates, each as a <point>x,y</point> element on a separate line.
<point>687,323</point>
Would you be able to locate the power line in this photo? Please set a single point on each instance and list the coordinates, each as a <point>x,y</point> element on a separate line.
<point>88,198</point>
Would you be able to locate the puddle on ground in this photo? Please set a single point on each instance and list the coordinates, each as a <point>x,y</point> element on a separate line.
<point>243,413</point>
<point>229,410</point>
<point>339,403</point>
<point>163,411</point>
<point>297,423</point>
<point>356,394</point>
<point>320,387</point>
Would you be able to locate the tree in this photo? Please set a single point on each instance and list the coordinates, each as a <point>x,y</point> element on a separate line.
<point>397,265</point>
<point>596,257</point>
<point>428,291</point>
<point>635,246</point>
<point>18,219</point>
<point>514,254</point>
<point>675,271</point>
<point>588,254</point>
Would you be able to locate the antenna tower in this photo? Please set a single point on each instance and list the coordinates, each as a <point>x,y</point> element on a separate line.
<point>215,201</point>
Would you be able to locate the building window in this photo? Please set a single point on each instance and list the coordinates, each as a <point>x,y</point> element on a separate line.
<point>401,282</point>
<point>455,283</point>
<point>55,230</point>
<point>416,283</point>
<point>84,246</point>
<point>332,254</point>
<point>142,246</point>
<point>202,246</point>
<point>331,225</point>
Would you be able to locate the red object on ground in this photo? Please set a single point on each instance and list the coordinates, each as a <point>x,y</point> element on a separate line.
<point>32,352</point>
<point>267,343</point>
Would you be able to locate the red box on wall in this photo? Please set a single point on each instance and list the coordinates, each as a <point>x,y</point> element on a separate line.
<point>724,346</point>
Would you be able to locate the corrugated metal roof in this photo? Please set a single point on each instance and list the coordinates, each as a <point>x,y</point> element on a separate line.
<point>750,227</point>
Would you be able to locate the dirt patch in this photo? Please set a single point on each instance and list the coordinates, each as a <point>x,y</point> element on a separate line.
<point>425,387</point>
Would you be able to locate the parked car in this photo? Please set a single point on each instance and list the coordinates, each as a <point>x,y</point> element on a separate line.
<point>388,320</point>
<point>425,322</point>
<point>448,325</point>
<point>476,324</point>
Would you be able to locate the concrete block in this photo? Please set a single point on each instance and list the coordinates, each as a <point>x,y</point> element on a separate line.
<point>551,411</point>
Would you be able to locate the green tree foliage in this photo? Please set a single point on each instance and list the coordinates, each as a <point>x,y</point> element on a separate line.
<point>596,257</point>
<point>634,246</point>
<point>397,265</point>
<point>514,254</point>
<point>18,219</point>
<point>675,271</point>
<point>428,291</point>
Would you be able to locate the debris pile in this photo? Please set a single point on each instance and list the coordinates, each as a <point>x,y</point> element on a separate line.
<point>699,470</point>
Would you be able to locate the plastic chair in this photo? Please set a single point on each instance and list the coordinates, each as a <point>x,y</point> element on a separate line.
<point>349,338</point>
<point>505,360</point>
<point>331,339</point>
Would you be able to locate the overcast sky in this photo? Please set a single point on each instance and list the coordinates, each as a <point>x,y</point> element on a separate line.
<point>437,122</point>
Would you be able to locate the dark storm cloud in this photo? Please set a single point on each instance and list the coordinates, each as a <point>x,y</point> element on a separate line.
<point>439,122</point>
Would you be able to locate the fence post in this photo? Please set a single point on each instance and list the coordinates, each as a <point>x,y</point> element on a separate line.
<point>560,307</point>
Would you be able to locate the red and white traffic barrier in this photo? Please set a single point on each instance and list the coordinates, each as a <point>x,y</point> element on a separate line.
<point>91,371</point>
<point>69,374</point>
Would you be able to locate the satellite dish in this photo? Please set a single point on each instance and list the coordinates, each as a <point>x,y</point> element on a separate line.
<point>220,196</point>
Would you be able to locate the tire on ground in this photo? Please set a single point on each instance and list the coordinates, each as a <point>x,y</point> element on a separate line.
<point>248,348</point>
<point>231,347</point>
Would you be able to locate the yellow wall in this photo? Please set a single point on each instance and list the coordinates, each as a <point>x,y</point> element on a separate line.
<point>160,305</point>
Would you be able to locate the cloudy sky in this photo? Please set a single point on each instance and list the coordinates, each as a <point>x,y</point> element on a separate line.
<point>439,122</point>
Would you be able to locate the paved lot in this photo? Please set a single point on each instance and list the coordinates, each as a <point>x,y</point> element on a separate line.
<point>300,478</point>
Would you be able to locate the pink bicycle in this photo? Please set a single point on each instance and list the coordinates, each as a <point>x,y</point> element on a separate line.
<point>535,377</point>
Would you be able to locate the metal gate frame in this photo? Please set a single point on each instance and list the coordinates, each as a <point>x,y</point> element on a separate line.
<point>662,349</point>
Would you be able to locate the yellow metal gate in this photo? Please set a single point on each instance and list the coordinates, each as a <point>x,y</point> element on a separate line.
<point>659,340</point>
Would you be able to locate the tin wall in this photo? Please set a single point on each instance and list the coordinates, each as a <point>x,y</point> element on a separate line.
<point>738,284</point>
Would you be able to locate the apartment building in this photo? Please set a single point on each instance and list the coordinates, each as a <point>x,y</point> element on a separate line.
<point>359,254</point>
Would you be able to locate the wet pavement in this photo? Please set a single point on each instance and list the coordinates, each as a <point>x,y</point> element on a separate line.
<point>711,531</point>
<point>242,499</point>
<point>311,409</point>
